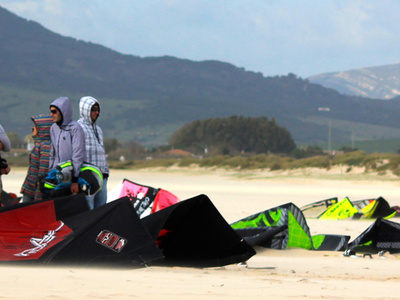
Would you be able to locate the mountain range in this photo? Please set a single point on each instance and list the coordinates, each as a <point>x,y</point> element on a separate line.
<point>381,82</point>
<point>147,98</point>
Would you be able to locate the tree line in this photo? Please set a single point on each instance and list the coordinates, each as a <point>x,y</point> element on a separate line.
<point>216,136</point>
<point>233,135</point>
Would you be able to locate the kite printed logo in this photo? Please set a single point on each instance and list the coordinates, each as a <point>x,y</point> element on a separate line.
<point>40,243</point>
<point>111,240</point>
<point>388,245</point>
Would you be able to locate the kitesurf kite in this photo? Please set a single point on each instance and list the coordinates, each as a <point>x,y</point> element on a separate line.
<point>194,233</point>
<point>145,199</point>
<point>285,227</point>
<point>332,209</point>
<point>64,231</point>
<point>382,235</point>
<point>376,208</point>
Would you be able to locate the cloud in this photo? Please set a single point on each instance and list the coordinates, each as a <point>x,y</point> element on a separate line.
<point>53,7</point>
<point>21,7</point>
<point>46,8</point>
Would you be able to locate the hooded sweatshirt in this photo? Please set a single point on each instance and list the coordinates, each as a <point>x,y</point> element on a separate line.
<point>68,139</point>
<point>4,140</point>
<point>6,147</point>
<point>95,151</point>
<point>38,158</point>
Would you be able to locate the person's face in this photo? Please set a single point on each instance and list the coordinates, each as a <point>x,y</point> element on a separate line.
<point>55,114</point>
<point>1,146</point>
<point>34,130</point>
<point>94,112</point>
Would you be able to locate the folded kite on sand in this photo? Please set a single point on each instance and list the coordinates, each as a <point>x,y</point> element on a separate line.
<point>142,226</point>
<point>145,199</point>
<point>332,209</point>
<point>65,231</point>
<point>285,227</point>
<point>382,235</point>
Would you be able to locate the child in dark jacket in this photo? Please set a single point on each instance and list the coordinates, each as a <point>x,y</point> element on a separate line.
<point>38,159</point>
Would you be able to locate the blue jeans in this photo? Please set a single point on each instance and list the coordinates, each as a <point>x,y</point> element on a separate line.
<point>100,198</point>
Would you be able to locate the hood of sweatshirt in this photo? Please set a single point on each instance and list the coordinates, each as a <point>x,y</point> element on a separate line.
<point>85,106</point>
<point>43,124</point>
<point>63,104</point>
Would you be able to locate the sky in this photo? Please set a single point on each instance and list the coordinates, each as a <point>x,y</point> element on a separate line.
<point>274,37</point>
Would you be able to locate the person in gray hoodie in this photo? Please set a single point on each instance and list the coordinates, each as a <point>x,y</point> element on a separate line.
<point>67,139</point>
<point>5,145</point>
<point>89,111</point>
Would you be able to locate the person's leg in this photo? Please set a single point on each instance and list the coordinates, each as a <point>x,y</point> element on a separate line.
<point>26,198</point>
<point>101,197</point>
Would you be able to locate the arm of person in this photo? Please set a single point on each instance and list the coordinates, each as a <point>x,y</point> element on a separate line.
<point>6,144</point>
<point>78,155</point>
<point>52,147</point>
<point>107,170</point>
<point>44,159</point>
<point>4,167</point>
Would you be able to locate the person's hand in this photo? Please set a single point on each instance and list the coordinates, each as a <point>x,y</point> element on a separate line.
<point>74,188</point>
<point>5,171</point>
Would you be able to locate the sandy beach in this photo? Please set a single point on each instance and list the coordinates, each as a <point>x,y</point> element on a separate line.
<point>277,274</point>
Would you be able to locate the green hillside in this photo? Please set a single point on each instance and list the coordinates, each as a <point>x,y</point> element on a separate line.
<point>148,99</point>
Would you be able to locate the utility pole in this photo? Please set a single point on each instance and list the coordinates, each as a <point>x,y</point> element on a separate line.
<point>327,109</point>
<point>329,136</point>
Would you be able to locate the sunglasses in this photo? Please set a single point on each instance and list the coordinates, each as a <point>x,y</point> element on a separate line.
<point>54,111</point>
<point>95,109</point>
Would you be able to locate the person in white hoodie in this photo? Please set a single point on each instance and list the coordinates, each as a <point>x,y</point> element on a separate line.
<point>89,112</point>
